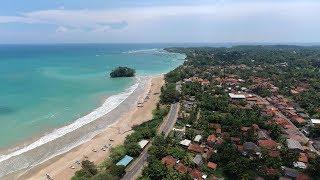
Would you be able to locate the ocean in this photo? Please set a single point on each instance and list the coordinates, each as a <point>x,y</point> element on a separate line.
<point>50,92</point>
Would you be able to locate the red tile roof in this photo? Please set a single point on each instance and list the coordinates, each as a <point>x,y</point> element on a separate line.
<point>302,177</point>
<point>240,147</point>
<point>196,174</point>
<point>235,139</point>
<point>271,171</point>
<point>288,126</point>
<point>268,144</point>
<point>196,148</point>
<point>303,158</point>
<point>181,168</point>
<point>219,141</point>
<point>212,165</point>
<point>169,161</point>
<point>216,125</point>
<point>274,153</point>
<point>299,120</point>
<point>281,121</point>
<point>211,138</point>
<point>218,130</point>
<point>255,126</point>
<point>245,129</point>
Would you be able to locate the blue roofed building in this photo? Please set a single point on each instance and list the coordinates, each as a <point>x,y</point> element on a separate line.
<point>125,161</point>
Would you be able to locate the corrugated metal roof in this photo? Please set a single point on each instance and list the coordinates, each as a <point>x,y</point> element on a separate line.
<point>125,161</point>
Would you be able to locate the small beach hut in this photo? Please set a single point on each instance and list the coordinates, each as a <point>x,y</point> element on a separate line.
<point>125,161</point>
<point>143,143</point>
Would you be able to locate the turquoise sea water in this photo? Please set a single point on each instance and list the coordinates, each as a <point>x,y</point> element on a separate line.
<point>44,87</point>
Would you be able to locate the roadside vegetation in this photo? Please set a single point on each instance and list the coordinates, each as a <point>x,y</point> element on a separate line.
<point>108,169</point>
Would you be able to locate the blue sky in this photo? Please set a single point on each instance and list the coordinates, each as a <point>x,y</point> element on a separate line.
<point>139,21</point>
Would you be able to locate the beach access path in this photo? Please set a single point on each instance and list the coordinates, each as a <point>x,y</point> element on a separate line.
<point>64,166</point>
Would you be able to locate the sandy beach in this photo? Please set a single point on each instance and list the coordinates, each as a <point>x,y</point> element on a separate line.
<point>64,166</point>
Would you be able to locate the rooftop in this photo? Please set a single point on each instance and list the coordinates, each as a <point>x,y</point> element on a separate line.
<point>125,161</point>
<point>169,161</point>
<point>185,142</point>
<point>212,165</point>
<point>198,159</point>
<point>293,144</point>
<point>196,148</point>
<point>197,138</point>
<point>212,138</point>
<point>315,121</point>
<point>237,96</point>
<point>268,144</point>
<point>143,143</point>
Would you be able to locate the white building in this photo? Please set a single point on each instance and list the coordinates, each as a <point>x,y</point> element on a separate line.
<point>315,121</point>
<point>197,138</point>
<point>185,142</point>
<point>143,143</point>
<point>236,96</point>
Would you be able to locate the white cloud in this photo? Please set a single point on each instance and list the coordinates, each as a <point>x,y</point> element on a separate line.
<point>17,19</point>
<point>62,29</point>
<point>92,19</point>
<point>224,21</point>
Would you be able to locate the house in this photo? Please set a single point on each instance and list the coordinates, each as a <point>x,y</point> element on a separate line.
<point>300,165</point>
<point>284,178</point>
<point>303,158</point>
<point>143,143</point>
<point>215,125</point>
<point>294,145</point>
<point>237,96</point>
<point>274,153</point>
<point>208,153</point>
<point>245,129</point>
<point>212,165</point>
<point>268,144</point>
<point>181,168</point>
<point>169,161</point>
<point>271,171</point>
<point>289,172</point>
<point>205,82</point>
<point>196,148</point>
<point>185,142</point>
<point>235,140</point>
<point>204,176</point>
<point>240,148</point>
<point>316,145</point>
<point>218,131</point>
<point>262,134</point>
<point>281,121</point>
<point>298,119</point>
<point>250,148</point>
<point>197,138</point>
<point>196,174</point>
<point>315,122</point>
<point>198,160</point>
<point>302,177</point>
<point>255,127</point>
<point>125,161</point>
<point>211,139</point>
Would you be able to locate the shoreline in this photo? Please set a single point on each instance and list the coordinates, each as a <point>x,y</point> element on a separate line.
<point>65,138</point>
<point>63,166</point>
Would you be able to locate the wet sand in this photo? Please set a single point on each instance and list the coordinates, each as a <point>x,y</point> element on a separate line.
<point>64,166</point>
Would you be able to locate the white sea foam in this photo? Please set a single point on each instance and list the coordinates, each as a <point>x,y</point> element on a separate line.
<point>111,103</point>
<point>147,51</point>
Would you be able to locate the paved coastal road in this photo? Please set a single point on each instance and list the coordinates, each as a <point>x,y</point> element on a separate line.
<point>142,159</point>
<point>171,119</point>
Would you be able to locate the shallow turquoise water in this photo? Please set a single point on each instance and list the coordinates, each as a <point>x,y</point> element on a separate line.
<point>48,86</point>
